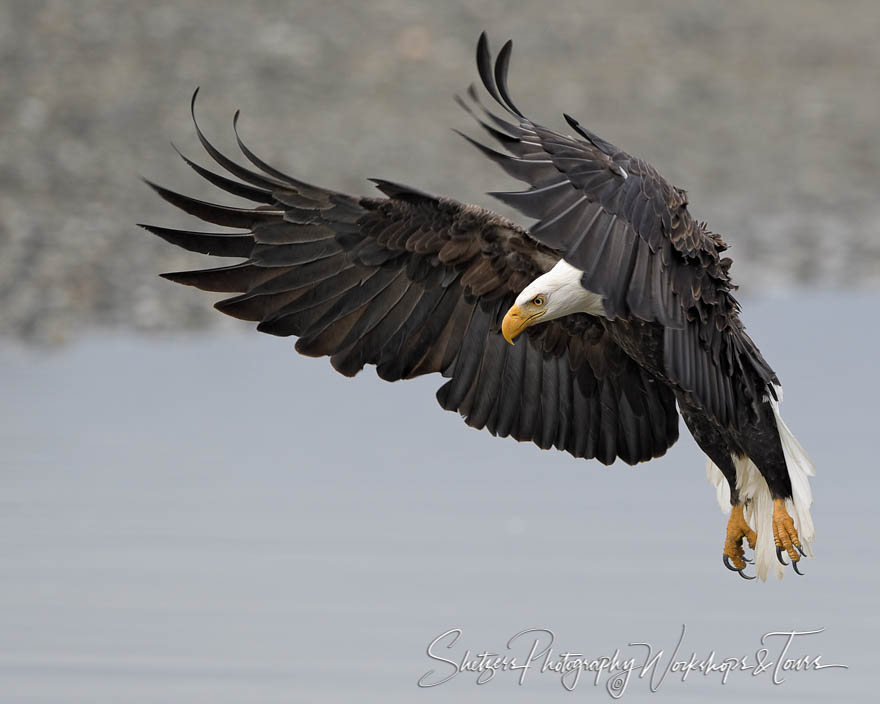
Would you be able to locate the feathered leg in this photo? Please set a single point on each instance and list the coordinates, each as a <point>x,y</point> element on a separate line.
<point>722,466</point>
<point>778,473</point>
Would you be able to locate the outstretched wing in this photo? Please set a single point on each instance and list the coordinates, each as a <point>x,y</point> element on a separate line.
<point>414,284</point>
<point>614,217</point>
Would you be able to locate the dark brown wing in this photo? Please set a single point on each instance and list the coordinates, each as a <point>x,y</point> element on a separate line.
<point>614,217</point>
<point>416,284</point>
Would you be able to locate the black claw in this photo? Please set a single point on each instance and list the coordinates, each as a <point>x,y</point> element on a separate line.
<point>779,556</point>
<point>801,551</point>
<point>726,560</point>
<point>751,562</point>
<point>795,567</point>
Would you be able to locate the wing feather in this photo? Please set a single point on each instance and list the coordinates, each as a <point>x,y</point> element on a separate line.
<point>614,217</point>
<point>417,284</point>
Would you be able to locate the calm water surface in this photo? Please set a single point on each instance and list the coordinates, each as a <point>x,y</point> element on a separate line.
<point>214,518</point>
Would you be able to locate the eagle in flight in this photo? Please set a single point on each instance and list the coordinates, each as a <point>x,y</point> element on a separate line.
<point>619,302</point>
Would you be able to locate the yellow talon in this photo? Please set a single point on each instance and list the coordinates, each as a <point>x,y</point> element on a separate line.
<point>737,529</point>
<point>784,533</point>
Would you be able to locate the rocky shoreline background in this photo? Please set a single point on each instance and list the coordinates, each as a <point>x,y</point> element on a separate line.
<point>767,113</point>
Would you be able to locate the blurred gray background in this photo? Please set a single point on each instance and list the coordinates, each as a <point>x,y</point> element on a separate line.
<point>765,112</point>
<point>203,515</point>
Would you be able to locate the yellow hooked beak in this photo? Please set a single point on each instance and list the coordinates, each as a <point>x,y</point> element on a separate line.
<point>516,320</point>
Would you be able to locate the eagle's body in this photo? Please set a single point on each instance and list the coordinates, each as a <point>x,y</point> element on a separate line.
<point>621,298</point>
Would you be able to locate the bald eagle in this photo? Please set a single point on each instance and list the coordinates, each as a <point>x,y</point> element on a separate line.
<point>619,300</point>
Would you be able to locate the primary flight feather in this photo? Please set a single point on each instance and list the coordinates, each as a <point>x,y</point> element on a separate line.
<point>619,301</point>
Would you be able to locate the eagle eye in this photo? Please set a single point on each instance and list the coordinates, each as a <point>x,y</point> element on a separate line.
<point>538,300</point>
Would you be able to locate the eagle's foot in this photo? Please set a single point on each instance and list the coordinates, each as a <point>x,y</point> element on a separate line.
<point>785,535</point>
<point>737,529</point>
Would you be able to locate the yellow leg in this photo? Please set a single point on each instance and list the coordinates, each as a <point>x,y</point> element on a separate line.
<point>737,529</point>
<point>784,532</point>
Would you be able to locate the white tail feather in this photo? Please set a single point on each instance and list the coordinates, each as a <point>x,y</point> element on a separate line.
<point>758,509</point>
<point>722,489</point>
<point>800,469</point>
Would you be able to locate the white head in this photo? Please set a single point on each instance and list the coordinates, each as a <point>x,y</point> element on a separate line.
<point>557,293</point>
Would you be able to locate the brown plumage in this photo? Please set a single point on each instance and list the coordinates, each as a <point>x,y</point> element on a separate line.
<point>614,217</point>
<point>414,284</point>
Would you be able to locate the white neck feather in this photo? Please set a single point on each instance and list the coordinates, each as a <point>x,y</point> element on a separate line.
<point>564,293</point>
